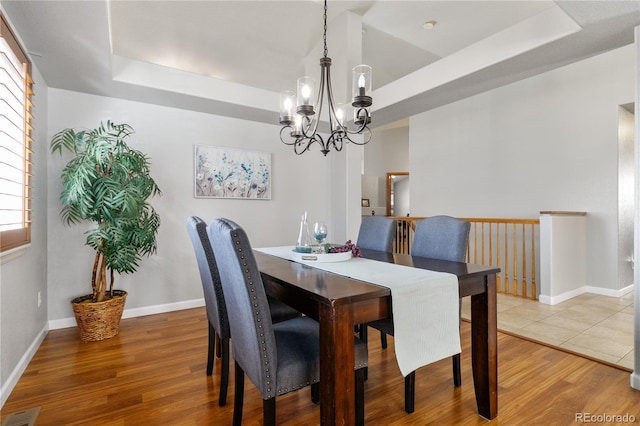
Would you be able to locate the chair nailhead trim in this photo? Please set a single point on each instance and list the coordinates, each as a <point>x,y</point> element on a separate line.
<point>257,315</point>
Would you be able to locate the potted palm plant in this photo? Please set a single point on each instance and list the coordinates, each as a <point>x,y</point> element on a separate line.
<point>108,183</point>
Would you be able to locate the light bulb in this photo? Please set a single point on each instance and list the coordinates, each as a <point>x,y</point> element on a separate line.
<point>361,82</point>
<point>306,93</point>
<point>287,105</point>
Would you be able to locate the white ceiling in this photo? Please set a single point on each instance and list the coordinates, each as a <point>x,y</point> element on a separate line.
<point>193,54</point>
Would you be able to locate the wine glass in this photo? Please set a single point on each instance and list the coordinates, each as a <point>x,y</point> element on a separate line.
<point>320,232</point>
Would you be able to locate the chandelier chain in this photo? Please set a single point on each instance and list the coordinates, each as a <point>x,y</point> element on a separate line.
<point>326,51</point>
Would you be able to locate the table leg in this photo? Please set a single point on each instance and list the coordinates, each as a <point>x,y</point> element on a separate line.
<point>484,349</point>
<point>337,360</point>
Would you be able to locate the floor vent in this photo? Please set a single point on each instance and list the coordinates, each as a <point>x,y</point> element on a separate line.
<point>22,418</point>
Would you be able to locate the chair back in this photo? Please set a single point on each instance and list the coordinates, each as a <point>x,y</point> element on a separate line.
<point>441,237</point>
<point>376,233</point>
<point>211,285</point>
<point>254,344</point>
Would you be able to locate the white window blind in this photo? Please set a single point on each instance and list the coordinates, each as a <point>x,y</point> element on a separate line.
<point>15,141</point>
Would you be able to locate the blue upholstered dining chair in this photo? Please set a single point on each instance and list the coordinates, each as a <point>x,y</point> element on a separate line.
<point>436,237</point>
<point>278,358</point>
<point>376,233</point>
<point>215,303</point>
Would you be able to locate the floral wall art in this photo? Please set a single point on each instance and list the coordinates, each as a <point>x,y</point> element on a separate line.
<point>222,172</point>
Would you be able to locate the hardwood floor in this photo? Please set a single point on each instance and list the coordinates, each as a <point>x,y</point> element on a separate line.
<point>153,373</point>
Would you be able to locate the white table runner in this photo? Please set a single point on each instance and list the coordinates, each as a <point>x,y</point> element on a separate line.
<point>425,305</point>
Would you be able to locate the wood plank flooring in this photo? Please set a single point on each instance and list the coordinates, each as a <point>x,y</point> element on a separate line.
<point>153,373</point>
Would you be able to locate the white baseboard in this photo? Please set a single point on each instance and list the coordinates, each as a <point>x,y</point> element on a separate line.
<point>15,375</point>
<point>160,309</point>
<point>554,300</point>
<point>136,312</point>
<point>635,380</point>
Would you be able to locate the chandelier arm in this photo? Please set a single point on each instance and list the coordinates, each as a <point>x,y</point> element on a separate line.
<point>305,125</point>
<point>332,110</point>
<point>315,120</point>
<point>366,133</point>
<point>320,141</point>
<point>362,127</point>
<point>293,141</point>
<point>336,140</point>
<point>298,145</point>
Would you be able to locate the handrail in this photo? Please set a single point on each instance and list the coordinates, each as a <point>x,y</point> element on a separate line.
<point>510,244</point>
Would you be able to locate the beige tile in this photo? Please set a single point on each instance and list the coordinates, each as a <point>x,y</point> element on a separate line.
<point>590,352</point>
<point>595,309</point>
<point>619,302</point>
<point>581,298</point>
<point>619,322</point>
<point>510,327</point>
<point>548,333</point>
<point>528,312</point>
<point>512,320</point>
<point>562,321</point>
<point>508,300</point>
<point>586,317</point>
<point>605,332</point>
<point>597,326</point>
<point>602,345</point>
<point>544,338</point>
<point>628,360</point>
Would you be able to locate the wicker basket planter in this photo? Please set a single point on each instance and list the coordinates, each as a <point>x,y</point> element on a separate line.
<point>99,320</point>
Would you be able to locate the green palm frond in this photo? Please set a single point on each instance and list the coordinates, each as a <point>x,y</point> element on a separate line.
<point>108,183</point>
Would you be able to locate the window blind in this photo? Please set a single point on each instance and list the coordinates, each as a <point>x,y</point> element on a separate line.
<point>16,91</point>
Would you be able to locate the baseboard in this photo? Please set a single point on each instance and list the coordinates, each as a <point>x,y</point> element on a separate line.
<point>610,292</point>
<point>15,375</point>
<point>160,309</point>
<point>635,380</point>
<point>136,312</point>
<point>554,300</point>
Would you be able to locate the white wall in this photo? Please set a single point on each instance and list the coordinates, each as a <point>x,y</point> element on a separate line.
<point>546,143</point>
<point>388,151</point>
<point>22,322</point>
<point>167,135</point>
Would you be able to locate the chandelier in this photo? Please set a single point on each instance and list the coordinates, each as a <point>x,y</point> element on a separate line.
<point>301,129</point>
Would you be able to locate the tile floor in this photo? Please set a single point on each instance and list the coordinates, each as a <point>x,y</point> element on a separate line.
<point>597,326</point>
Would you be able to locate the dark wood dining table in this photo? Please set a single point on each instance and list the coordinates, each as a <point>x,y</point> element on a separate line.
<point>339,303</point>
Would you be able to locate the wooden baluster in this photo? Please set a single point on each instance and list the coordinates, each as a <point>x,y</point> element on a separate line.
<point>490,245</point>
<point>506,260</point>
<point>475,242</point>
<point>534,294</point>
<point>515,261</point>
<point>524,264</point>
<point>482,261</point>
<point>498,276</point>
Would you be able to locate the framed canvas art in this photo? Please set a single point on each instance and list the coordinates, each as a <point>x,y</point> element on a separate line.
<point>222,172</point>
